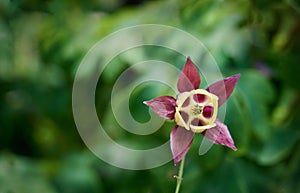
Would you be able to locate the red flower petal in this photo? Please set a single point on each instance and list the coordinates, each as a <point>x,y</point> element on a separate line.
<point>181,141</point>
<point>223,88</point>
<point>164,106</point>
<point>220,135</point>
<point>189,78</point>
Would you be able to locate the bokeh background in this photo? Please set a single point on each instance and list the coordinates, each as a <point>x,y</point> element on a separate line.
<point>43,42</point>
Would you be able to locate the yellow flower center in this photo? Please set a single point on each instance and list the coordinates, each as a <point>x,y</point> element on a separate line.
<point>196,110</point>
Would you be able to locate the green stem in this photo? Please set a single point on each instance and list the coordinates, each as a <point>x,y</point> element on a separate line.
<point>179,177</point>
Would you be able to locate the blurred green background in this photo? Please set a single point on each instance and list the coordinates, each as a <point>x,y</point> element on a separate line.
<point>43,42</point>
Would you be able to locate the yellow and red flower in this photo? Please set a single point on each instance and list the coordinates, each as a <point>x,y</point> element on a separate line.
<point>195,110</point>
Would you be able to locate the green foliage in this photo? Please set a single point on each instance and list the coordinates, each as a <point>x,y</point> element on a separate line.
<point>43,42</point>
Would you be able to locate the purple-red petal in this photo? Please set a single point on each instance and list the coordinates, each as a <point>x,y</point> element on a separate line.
<point>220,135</point>
<point>223,88</point>
<point>164,106</point>
<point>189,78</point>
<point>181,141</point>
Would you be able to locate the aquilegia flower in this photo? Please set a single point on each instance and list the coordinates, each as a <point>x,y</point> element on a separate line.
<point>195,110</point>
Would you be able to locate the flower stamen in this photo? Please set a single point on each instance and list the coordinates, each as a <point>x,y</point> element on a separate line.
<point>197,109</point>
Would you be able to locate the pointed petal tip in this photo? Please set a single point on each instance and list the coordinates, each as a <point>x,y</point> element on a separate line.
<point>148,103</point>
<point>232,146</point>
<point>176,161</point>
<point>220,135</point>
<point>178,158</point>
<point>237,76</point>
<point>233,78</point>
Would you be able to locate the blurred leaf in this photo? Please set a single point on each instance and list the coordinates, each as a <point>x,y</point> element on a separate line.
<point>279,146</point>
<point>258,93</point>
<point>238,122</point>
<point>77,174</point>
<point>282,113</point>
<point>19,174</point>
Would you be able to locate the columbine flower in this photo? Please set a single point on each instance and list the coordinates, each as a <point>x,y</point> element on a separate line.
<point>195,110</point>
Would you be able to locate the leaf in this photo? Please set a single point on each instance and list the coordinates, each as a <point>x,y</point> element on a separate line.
<point>257,94</point>
<point>278,147</point>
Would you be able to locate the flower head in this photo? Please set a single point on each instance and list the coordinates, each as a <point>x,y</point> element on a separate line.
<point>195,110</point>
